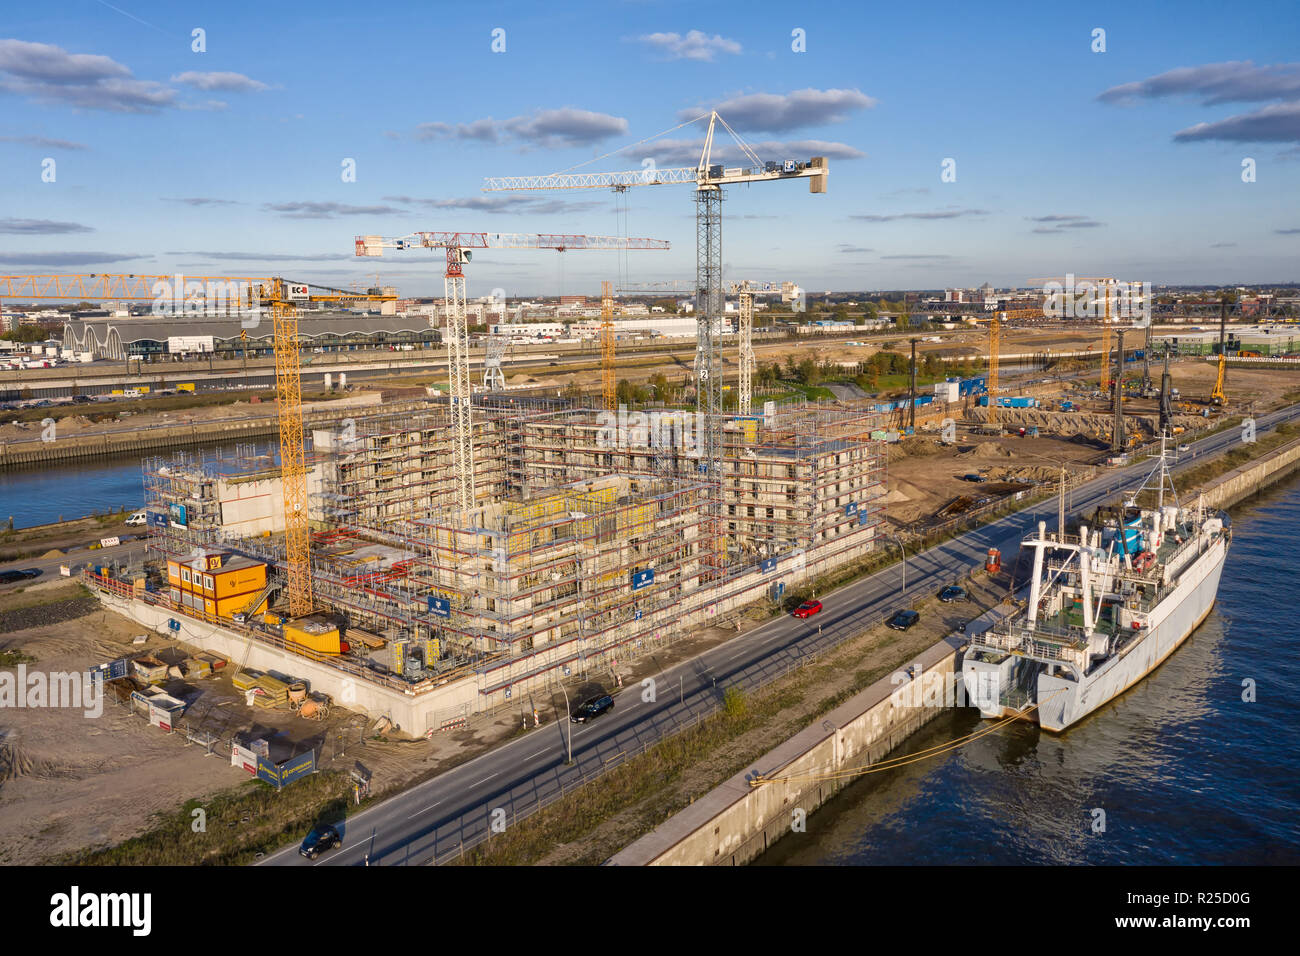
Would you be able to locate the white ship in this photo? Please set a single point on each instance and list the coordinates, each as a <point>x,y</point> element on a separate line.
<point>1105,608</point>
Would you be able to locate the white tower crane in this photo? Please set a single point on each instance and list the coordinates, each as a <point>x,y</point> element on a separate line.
<point>458,246</point>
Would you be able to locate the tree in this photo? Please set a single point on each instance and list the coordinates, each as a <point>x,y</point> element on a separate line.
<point>808,371</point>
<point>28,333</point>
<point>873,313</point>
<point>903,321</point>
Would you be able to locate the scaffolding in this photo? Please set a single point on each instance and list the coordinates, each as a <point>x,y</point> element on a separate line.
<point>588,531</point>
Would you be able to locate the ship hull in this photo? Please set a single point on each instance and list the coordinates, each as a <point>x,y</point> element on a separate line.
<point>1063,702</point>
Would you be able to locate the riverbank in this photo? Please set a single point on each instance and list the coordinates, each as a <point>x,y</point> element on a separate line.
<point>737,821</point>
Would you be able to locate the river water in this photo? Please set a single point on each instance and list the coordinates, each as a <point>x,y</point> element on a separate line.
<point>39,495</point>
<point>1183,769</point>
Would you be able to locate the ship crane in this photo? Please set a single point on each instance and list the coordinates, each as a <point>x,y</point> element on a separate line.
<point>458,247</point>
<point>708,178</point>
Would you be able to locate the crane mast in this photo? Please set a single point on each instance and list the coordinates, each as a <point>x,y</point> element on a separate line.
<point>709,178</point>
<point>457,246</point>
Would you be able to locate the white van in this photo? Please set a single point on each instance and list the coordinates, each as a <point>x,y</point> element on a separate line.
<point>137,519</point>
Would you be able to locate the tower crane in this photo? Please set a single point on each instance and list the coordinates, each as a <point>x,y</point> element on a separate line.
<point>708,178</point>
<point>608,389</point>
<point>233,294</point>
<point>1108,288</point>
<point>458,246</point>
<point>744,291</point>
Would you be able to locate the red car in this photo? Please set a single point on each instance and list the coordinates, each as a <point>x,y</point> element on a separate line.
<point>808,609</point>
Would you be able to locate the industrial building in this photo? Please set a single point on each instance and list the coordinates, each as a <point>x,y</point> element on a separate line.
<point>154,338</point>
<point>1240,339</point>
<point>588,540</point>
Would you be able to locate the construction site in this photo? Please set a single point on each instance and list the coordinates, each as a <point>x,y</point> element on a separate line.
<point>429,565</point>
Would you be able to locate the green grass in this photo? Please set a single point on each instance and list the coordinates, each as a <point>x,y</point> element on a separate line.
<point>239,825</point>
<point>12,658</point>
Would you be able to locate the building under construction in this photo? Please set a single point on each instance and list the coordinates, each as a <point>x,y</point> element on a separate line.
<point>588,540</point>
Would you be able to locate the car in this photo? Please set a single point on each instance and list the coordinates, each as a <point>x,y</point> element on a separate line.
<point>952,593</point>
<point>902,620</point>
<point>138,518</point>
<point>321,838</point>
<point>974,476</point>
<point>591,709</point>
<point>17,574</point>
<point>808,609</point>
<point>1184,448</point>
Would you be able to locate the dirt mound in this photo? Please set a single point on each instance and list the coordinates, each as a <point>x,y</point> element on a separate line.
<point>53,553</point>
<point>15,763</point>
<point>990,449</point>
<point>893,498</point>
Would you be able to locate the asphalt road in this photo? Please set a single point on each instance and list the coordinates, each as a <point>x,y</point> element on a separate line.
<point>457,807</point>
<point>131,551</point>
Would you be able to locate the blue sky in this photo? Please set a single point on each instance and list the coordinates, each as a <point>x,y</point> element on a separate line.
<point>1126,162</point>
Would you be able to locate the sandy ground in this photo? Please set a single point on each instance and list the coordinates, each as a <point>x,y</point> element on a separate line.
<point>70,781</point>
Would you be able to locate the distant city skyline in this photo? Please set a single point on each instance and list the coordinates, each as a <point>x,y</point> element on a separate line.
<point>965,146</point>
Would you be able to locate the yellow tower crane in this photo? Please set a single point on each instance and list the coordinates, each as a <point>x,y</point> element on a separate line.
<point>236,296</point>
<point>992,388</point>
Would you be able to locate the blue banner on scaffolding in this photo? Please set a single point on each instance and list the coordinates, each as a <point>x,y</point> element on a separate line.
<point>768,564</point>
<point>439,606</point>
<point>641,578</point>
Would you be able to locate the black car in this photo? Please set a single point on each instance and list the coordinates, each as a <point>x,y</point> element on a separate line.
<point>903,620</point>
<point>952,593</point>
<point>9,577</point>
<point>321,838</point>
<point>591,709</point>
<point>975,477</point>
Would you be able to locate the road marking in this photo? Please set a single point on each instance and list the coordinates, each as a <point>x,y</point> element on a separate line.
<point>531,756</point>
<point>428,808</point>
<point>485,779</point>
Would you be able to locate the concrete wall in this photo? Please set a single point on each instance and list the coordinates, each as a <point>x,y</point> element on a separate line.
<point>736,822</point>
<point>1227,490</point>
<point>413,713</point>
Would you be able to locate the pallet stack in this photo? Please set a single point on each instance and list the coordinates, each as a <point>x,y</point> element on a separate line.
<point>273,693</point>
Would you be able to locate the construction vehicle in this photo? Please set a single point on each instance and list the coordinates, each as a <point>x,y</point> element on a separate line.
<point>1218,396</point>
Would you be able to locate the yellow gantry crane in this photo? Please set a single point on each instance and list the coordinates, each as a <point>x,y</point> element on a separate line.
<point>244,297</point>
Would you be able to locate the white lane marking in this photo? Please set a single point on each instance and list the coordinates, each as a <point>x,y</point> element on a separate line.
<point>428,808</point>
<point>485,779</point>
<point>531,756</point>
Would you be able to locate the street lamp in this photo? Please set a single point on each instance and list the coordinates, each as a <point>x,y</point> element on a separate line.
<point>567,720</point>
<point>904,554</point>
